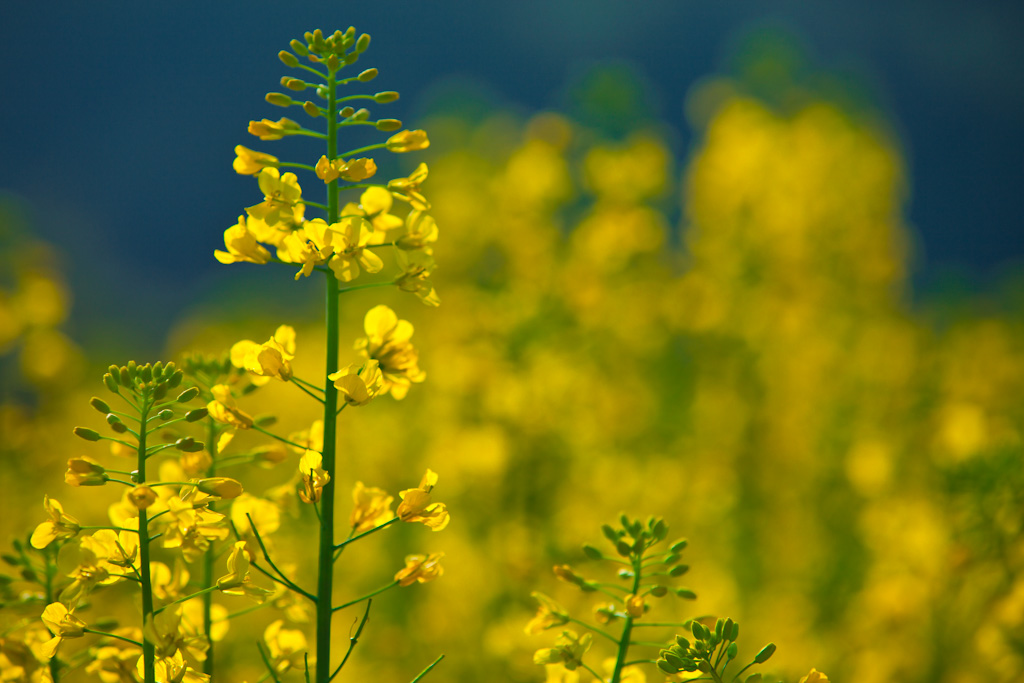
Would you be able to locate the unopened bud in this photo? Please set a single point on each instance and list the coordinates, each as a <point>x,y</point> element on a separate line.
<point>351,58</point>
<point>278,99</point>
<point>679,545</point>
<point>196,415</point>
<point>188,444</point>
<point>99,405</point>
<point>367,76</point>
<point>296,84</point>
<point>146,373</point>
<point>175,379</point>
<point>765,654</point>
<point>87,434</point>
<point>592,552</point>
<point>288,59</point>
<point>125,376</point>
<point>347,112</point>
<point>142,497</point>
<point>85,472</point>
<point>333,63</point>
<point>165,414</point>
<point>311,109</point>
<point>659,591</point>
<point>110,382</point>
<point>363,42</point>
<point>160,391</point>
<point>298,47</point>
<point>679,570</point>
<point>361,115</point>
<point>623,548</point>
<point>388,125</point>
<point>686,594</point>
<point>222,487</point>
<point>385,97</point>
<point>188,395</point>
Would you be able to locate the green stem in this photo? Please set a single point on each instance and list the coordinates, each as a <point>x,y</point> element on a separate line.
<point>308,392</point>
<point>51,570</point>
<point>360,150</point>
<point>592,672</point>
<point>595,630</point>
<point>204,591</point>
<point>368,285</point>
<point>427,670</point>
<point>367,596</point>
<point>148,649</point>
<point>353,640</point>
<point>279,438</point>
<point>307,384</point>
<point>627,628</point>
<point>325,561</point>
<point>293,164</point>
<point>114,635</point>
<point>352,539</point>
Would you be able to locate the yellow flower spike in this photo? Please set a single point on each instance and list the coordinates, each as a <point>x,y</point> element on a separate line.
<point>62,624</point>
<point>814,676</point>
<point>417,267</point>
<point>282,198</point>
<point>359,382</point>
<point>241,246</point>
<point>417,507</point>
<point>549,615</point>
<point>250,162</point>
<point>222,487</point>
<point>314,476</point>
<point>420,569</point>
<point>372,508</point>
<point>635,606</point>
<point>408,141</point>
<point>273,130</point>
<point>387,342</point>
<point>408,189</point>
<point>224,409</point>
<point>85,471</point>
<point>59,526</point>
<point>421,233</point>
<point>237,580</point>
<point>282,644</point>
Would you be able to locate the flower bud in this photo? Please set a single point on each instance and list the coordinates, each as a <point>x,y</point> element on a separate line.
<point>296,84</point>
<point>142,497</point>
<point>187,395</point>
<point>196,415</point>
<point>278,99</point>
<point>175,379</point>
<point>288,59</point>
<point>347,112</point>
<point>87,434</point>
<point>165,414</point>
<point>158,369</point>
<point>659,591</point>
<point>333,63</point>
<point>732,651</point>
<point>363,42</point>
<point>99,404</point>
<point>188,444</point>
<point>222,487</point>
<point>623,548</point>
<point>679,570</point>
<point>686,594</point>
<point>592,552</point>
<point>85,472</point>
<point>388,125</point>
<point>361,115</point>
<point>311,109</point>
<point>110,382</point>
<point>367,76</point>
<point>351,58</point>
<point>298,47</point>
<point>765,654</point>
<point>160,391</point>
<point>385,97</point>
<point>679,545</point>
<point>126,377</point>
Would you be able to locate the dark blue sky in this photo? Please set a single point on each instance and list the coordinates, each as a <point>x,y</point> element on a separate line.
<point>118,119</point>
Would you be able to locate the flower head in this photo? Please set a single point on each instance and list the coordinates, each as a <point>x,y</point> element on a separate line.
<point>62,624</point>
<point>237,580</point>
<point>85,471</point>
<point>408,189</point>
<point>273,130</point>
<point>420,569</point>
<point>358,382</point>
<point>242,245</point>
<point>372,507</point>
<point>568,650</point>
<point>272,358</point>
<point>408,141</point>
<point>387,342</point>
<point>416,505</point>
<point>416,270</point>
<point>314,476</point>
<point>814,676</point>
<point>549,615</point>
<point>224,409</point>
<point>353,170</point>
<point>282,199</point>
<point>249,162</point>
<point>59,525</point>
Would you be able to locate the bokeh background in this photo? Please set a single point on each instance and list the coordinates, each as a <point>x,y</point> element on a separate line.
<point>750,267</point>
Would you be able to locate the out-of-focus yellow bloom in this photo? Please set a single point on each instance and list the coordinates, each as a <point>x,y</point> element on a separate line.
<point>142,497</point>
<point>556,673</point>
<point>416,505</point>
<point>408,141</point>
<point>283,643</point>
<point>387,342</point>
<point>224,409</point>
<point>241,246</point>
<point>60,525</point>
<point>311,439</point>
<point>420,569</point>
<point>265,514</point>
<point>358,382</point>
<point>192,528</point>
<point>194,464</point>
<point>353,170</point>
<point>814,676</point>
<point>282,199</point>
<point>173,669</point>
<point>169,584</point>
<point>374,205</point>
<point>237,580</point>
<point>62,624</point>
<point>635,606</point>
<point>417,267</point>
<point>606,613</point>
<point>115,664</point>
<point>314,476</point>
<point>250,162</point>
<point>273,130</point>
<point>372,507</point>
<point>408,189</point>
<point>85,471</point>
<point>568,650</point>
<point>169,638</point>
<point>222,487</point>
<point>269,359</point>
<point>21,661</point>
<point>549,615</point>
<point>420,233</point>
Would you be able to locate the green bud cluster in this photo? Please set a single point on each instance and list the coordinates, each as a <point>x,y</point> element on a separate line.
<point>143,380</point>
<point>710,652</point>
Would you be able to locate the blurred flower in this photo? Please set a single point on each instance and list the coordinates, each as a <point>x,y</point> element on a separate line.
<point>62,624</point>
<point>372,507</point>
<point>408,141</point>
<point>387,342</point>
<point>408,189</point>
<point>416,505</point>
<point>549,615</point>
<point>420,569</point>
<point>224,409</point>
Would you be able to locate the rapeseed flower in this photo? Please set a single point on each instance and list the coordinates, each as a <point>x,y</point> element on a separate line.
<point>347,240</point>
<point>224,409</point>
<point>417,267</point>
<point>272,358</point>
<point>250,162</point>
<point>374,205</point>
<point>549,615</point>
<point>387,342</point>
<point>353,170</point>
<point>59,526</point>
<point>420,233</point>
<point>408,141</point>
<point>242,245</point>
<point>814,676</point>
<point>314,476</point>
<point>273,130</point>
<point>62,624</point>
<point>568,650</point>
<point>372,507</point>
<point>237,581</point>
<point>420,569</point>
<point>416,505</point>
<point>408,188</point>
<point>358,382</point>
<point>85,471</point>
<point>283,644</point>
<point>282,199</point>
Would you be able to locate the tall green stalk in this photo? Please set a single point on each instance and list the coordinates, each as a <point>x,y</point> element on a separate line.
<point>148,650</point>
<point>325,564</point>
<point>627,628</point>
<point>209,557</point>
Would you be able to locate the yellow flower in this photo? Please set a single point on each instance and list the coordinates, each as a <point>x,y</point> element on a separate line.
<point>283,644</point>
<point>266,515</point>
<point>298,247</point>
<point>387,342</point>
<point>420,233</point>
<point>114,664</point>
<point>374,204</point>
<point>568,651</point>
<point>311,439</point>
<point>347,239</point>
<point>62,624</point>
<point>814,676</point>
<point>142,497</point>
<point>353,170</point>
<point>417,267</point>
<point>549,615</point>
<point>237,580</point>
<point>416,505</point>
<point>358,382</point>
<point>282,199</point>
<point>273,130</point>
<point>635,606</point>
<point>269,359</point>
<point>85,471</point>
<point>408,189</point>
<point>241,246</point>
<point>249,162</point>
<point>173,669</point>
<point>224,409</point>
<point>408,141</point>
<point>60,525</point>
<point>372,507</point>
<point>420,569</point>
<point>169,584</point>
<point>222,487</point>
<point>314,476</point>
